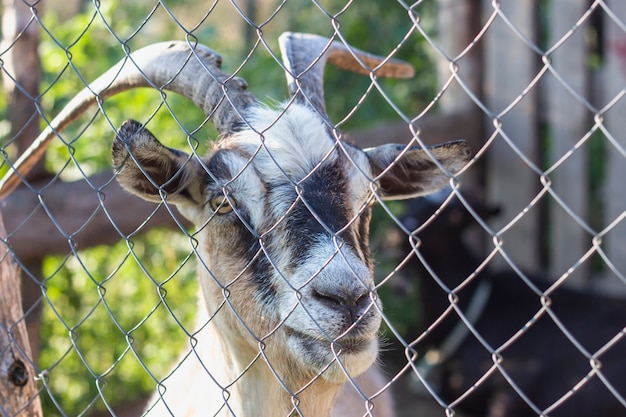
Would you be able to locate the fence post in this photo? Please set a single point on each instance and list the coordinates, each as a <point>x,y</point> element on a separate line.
<point>615,123</point>
<point>18,391</point>
<point>21,78</point>
<point>510,65</point>
<point>457,21</point>
<point>569,121</point>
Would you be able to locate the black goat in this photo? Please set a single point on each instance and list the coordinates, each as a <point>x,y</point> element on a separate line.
<point>511,372</point>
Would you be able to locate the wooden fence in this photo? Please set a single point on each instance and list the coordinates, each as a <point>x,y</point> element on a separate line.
<point>550,86</point>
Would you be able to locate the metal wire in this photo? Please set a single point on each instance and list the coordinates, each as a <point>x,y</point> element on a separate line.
<point>504,358</point>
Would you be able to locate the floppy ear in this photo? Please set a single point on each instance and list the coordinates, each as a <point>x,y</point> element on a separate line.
<point>150,170</point>
<point>402,172</point>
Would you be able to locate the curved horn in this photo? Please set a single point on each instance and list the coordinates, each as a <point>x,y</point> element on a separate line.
<point>305,55</point>
<point>190,70</point>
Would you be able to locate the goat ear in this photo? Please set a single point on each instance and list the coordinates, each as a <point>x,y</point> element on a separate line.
<point>151,170</point>
<point>405,172</point>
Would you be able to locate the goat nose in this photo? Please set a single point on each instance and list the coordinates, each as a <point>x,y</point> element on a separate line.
<point>352,301</point>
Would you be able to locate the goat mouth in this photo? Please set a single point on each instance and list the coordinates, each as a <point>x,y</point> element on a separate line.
<point>322,346</point>
<point>332,360</point>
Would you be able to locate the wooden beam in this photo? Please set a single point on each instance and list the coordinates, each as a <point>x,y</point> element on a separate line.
<point>433,129</point>
<point>569,121</point>
<point>21,74</point>
<point>510,66</point>
<point>614,80</point>
<point>73,216</point>
<point>459,23</point>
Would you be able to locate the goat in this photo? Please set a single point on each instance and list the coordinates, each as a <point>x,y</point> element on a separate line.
<point>281,205</point>
<point>481,378</point>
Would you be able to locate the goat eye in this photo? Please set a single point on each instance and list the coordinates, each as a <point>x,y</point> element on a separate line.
<point>221,205</point>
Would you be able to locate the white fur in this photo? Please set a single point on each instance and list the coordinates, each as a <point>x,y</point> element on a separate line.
<point>292,141</point>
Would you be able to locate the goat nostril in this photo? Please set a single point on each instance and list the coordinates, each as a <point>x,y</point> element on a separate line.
<point>352,300</point>
<point>329,299</point>
<point>364,301</point>
<point>352,305</point>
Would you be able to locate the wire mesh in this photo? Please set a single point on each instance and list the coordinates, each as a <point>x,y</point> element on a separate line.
<point>502,294</point>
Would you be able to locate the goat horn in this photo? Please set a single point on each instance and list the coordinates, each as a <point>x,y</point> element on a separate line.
<point>305,55</point>
<point>190,70</point>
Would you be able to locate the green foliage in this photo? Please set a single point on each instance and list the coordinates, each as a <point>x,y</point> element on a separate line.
<point>68,60</point>
<point>374,26</point>
<point>108,309</point>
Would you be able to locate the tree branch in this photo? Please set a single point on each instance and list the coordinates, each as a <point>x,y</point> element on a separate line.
<point>433,129</point>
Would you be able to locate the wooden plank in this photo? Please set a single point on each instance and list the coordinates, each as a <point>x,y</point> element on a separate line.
<point>569,121</point>
<point>435,128</point>
<point>457,21</point>
<point>615,122</point>
<point>19,396</point>
<point>510,65</point>
<point>74,206</point>
<point>21,75</point>
<point>459,73</point>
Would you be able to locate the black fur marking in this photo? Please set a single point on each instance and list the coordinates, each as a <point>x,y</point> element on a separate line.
<point>218,167</point>
<point>242,244</point>
<point>259,268</point>
<point>322,213</point>
<point>363,233</point>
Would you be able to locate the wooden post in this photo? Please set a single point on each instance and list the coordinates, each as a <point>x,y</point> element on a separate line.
<point>21,79</point>
<point>510,65</point>
<point>457,21</point>
<point>615,122</point>
<point>19,395</point>
<point>569,121</point>
<point>21,75</point>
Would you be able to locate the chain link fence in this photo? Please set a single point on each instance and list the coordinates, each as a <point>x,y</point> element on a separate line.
<point>503,294</point>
